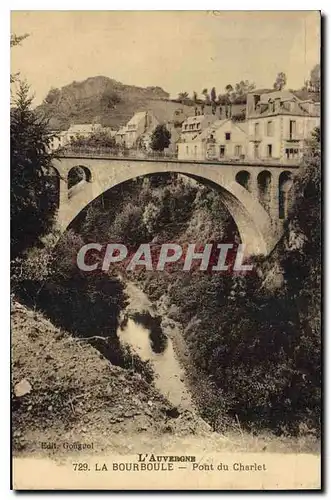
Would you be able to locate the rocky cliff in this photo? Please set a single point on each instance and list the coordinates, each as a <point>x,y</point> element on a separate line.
<point>103,100</point>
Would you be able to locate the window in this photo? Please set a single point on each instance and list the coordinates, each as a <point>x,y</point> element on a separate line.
<point>227,136</point>
<point>237,150</point>
<point>256,129</point>
<point>292,153</point>
<point>187,150</point>
<point>186,127</point>
<point>222,151</point>
<point>195,150</point>
<point>256,150</point>
<point>292,129</point>
<point>269,150</point>
<point>270,131</point>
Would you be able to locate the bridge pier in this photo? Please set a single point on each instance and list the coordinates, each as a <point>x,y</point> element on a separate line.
<point>274,199</point>
<point>63,190</point>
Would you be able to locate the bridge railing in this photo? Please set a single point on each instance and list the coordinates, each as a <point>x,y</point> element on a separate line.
<point>103,152</point>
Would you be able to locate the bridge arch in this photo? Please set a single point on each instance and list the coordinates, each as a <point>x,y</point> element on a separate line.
<point>55,178</point>
<point>285,183</point>
<point>77,174</point>
<point>258,229</point>
<point>250,235</point>
<point>244,179</point>
<point>249,216</point>
<point>264,188</point>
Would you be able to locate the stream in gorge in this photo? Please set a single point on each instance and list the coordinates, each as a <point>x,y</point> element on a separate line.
<point>142,330</point>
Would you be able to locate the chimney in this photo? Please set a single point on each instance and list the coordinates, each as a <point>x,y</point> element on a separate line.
<point>277,104</point>
<point>252,100</point>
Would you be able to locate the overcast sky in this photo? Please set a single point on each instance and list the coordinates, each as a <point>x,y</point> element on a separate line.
<point>179,51</point>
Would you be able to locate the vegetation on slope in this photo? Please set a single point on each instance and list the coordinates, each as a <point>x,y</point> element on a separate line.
<point>103,100</point>
<point>62,386</point>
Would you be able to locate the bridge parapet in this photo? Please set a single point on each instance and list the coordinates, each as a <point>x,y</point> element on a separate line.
<point>137,154</point>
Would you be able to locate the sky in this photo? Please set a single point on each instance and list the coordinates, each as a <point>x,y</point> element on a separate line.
<point>176,50</point>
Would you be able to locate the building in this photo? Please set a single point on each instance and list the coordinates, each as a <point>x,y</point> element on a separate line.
<point>58,140</point>
<point>172,149</point>
<point>82,130</point>
<point>195,125</point>
<point>222,140</point>
<point>109,131</point>
<point>120,136</point>
<point>138,130</point>
<point>278,124</point>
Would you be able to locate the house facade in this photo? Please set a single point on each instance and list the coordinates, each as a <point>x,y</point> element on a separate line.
<point>138,130</point>
<point>222,140</point>
<point>82,130</point>
<point>195,125</point>
<point>278,125</point>
<point>120,136</point>
<point>58,140</point>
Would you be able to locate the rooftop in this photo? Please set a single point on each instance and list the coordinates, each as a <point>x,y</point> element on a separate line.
<point>137,117</point>
<point>243,126</point>
<point>195,119</point>
<point>283,95</point>
<point>84,128</point>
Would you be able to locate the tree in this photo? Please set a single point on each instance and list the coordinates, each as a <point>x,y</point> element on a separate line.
<point>280,81</point>
<point>33,187</point>
<point>243,87</point>
<point>160,138</point>
<point>109,99</point>
<point>17,39</point>
<point>98,139</point>
<point>183,96</point>
<point>305,213</point>
<point>315,78</point>
<point>14,41</point>
<point>213,99</point>
<point>213,95</point>
<point>205,93</point>
<point>236,94</point>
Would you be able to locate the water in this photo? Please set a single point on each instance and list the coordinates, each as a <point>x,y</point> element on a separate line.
<point>144,334</point>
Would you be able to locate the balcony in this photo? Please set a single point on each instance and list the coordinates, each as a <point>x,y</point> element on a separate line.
<point>293,138</point>
<point>255,138</point>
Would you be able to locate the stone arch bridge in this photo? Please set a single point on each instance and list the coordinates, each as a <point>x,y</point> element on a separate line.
<point>256,194</point>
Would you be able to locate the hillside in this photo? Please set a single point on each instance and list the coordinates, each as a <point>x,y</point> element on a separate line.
<point>106,101</point>
<point>62,386</point>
